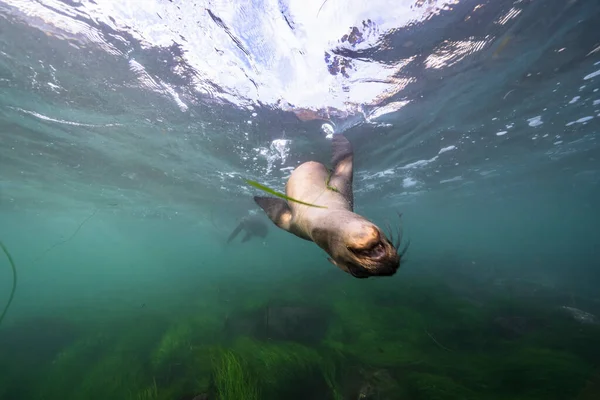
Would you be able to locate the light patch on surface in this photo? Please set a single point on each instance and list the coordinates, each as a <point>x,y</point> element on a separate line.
<point>535,121</point>
<point>592,75</point>
<point>596,102</point>
<point>62,121</point>
<point>580,121</point>
<point>420,163</point>
<point>54,87</point>
<point>574,99</point>
<point>452,52</point>
<point>248,49</point>
<point>150,83</point>
<point>409,182</point>
<point>382,125</point>
<point>445,149</point>
<point>387,109</point>
<point>281,146</point>
<point>278,150</point>
<point>380,174</point>
<point>328,130</point>
<point>501,133</point>
<point>512,13</point>
<point>455,179</point>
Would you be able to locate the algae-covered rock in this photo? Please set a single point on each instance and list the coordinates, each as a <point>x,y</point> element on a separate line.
<point>176,340</point>
<point>591,391</point>
<point>380,337</point>
<point>377,385</point>
<point>279,322</point>
<point>27,349</point>
<point>71,365</point>
<point>114,376</point>
<point>181,360</point>
<point>411,342</point>
<point>425,386</point>
<point>38,339</point>
<point>542,373</point>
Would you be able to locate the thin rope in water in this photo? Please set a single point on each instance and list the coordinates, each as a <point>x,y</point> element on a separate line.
<point>14,285</point>
<point>38,258</point>
<point>14,268</point>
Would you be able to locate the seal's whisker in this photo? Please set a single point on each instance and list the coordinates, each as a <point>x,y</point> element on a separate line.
<point>398,232</point>
<point>401,253</point>
<point>398,237</point>
<point>398,241</point>
<point>390,232</point>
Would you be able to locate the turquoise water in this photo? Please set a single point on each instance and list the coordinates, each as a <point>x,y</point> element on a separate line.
<point>127,132</point>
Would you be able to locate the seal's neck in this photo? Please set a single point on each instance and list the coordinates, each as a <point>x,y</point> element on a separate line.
<point>329,230</point>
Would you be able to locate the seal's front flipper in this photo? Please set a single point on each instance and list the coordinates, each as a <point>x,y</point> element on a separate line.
<point>342,161</point>
<point>247,237</point>
<point>277,210</point>
<point>235,232</point>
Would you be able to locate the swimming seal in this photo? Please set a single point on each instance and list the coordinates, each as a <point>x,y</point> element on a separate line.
<point>354,244</point>
<point>252,225</point>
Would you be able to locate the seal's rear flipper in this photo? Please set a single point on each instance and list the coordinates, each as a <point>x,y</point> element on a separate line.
<point>235,233</point>
<point>277,210</point>
<point>246,237</point>
<point>342,161</point>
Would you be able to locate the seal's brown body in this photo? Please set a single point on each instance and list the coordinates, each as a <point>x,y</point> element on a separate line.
<point>308,183</point>
<point>354,244</point>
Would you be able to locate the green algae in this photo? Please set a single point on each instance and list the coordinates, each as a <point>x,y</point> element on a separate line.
<point>149,393</point>
<point>591,391</point>
<point>286,367</point>
<point>174,343</point>
<point>424,386</point>
<point>70,365</point>
<point>381,336</point>
<point>278,194</point>
<point>408,343</point>
<point>233,378</point>
<point>542,373</point>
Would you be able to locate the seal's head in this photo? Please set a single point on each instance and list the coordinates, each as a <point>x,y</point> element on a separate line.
<point>363,250</point>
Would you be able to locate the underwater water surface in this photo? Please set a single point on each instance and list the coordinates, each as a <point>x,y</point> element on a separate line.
<point>128,129</point>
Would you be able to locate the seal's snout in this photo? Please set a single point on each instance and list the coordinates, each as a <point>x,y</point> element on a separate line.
<point>377,252</point>
<point>372,254</point>
<point>365,238</point>
<point>374,251</point>
<point>368,243</point>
